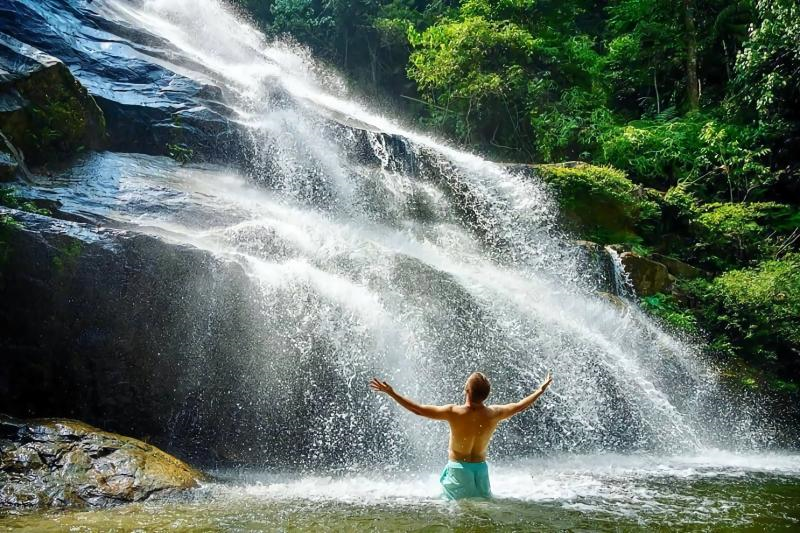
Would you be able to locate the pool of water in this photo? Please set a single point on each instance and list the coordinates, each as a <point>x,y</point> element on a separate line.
<point>719,490</point>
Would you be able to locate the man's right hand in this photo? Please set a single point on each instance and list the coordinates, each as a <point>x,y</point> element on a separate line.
<point>380,386</point>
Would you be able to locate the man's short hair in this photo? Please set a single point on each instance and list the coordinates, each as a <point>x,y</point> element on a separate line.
<point>478,387</point>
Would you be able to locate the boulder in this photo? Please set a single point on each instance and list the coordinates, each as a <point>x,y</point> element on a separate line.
<point>648,277</point>
<point>590,247</point>
<point>44,112</point>
<point>61,462</point>
<point>619,248</point>
<point>678,268</point>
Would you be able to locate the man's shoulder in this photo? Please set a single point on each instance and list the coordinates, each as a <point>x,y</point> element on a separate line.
<point>461,409</point>
<point>497,409</point>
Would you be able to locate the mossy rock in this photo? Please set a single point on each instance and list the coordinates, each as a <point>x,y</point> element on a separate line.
<point>61,462</point>
<point>648,277</point>
<point>599,203</point>
<point>44,111</point>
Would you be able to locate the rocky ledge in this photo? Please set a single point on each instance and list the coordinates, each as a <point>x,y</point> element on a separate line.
<point>45,113</point>
<point>62,463</point>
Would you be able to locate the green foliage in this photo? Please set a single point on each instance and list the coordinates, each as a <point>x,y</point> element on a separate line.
<point>180,153</point>
<point>646,52</point>
<point>466,70</point>
<point>765,85</point>
<point>755,313</point>
<point>604,204</point>
<point>67,257</point>
<point>766,69</point>
<point>658,151</point>
<point>493,74</point>
<point>9,198</point>
<point>681,204</point>
<point>737,233</point>
<point>7,225</point>
<point>715,158</point>
<point>665,307</point>
<point>733,155</point>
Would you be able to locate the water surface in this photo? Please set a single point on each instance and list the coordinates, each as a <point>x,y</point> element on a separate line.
<point>717,490</point>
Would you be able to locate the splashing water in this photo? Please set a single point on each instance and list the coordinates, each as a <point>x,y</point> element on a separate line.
<point>376,250</point>
<point>371,249</point>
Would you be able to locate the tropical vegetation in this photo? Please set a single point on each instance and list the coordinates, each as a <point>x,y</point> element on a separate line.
<point>684,113</point>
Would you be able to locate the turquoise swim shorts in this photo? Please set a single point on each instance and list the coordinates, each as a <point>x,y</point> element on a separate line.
<point>465,480</point>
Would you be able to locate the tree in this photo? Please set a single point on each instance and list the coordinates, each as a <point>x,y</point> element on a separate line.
<point>517,76</point>
<point>690,35</point>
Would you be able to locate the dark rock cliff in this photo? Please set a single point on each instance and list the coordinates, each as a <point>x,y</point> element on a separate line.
<point>148,107</point>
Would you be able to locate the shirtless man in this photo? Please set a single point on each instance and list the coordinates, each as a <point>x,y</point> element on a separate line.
<point>471,428</point>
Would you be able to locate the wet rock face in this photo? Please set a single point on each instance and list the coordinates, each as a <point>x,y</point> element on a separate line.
<point>8,167</point>
<point>596,259</point>
<point>647,277</point>
<point>60,462</point>
<point>148,107</point>
<point>105,330</point>
<point>678,268</point>
<point>44,111</point>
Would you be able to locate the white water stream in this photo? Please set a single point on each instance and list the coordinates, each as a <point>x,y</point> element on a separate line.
<point>375,250</point>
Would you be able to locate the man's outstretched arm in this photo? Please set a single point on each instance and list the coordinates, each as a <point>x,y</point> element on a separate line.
<point>511,409</point>
<point>437,412</point>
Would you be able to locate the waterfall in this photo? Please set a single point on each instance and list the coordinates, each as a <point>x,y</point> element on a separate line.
<point>620,280</point>
<point>371,249</point>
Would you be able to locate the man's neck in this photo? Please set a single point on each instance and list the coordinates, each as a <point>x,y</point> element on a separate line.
<point>473,405</point>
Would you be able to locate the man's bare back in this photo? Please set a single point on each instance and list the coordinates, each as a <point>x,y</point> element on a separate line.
<point>471,429</point>
<point>471,424</point>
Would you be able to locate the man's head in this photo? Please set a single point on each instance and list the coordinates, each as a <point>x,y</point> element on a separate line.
<point>477,387</point>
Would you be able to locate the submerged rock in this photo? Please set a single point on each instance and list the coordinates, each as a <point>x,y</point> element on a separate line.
<point>648,277</point>
<point>613,299</point>
<point>61,462</point>
<point>44,111</point>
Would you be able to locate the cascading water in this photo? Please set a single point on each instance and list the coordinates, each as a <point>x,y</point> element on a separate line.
<point>373,250</point>
<point>347,247</point>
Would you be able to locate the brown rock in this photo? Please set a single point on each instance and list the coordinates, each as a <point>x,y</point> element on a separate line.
<point>619,248</point>
<point>678,268</point>
<point>647,277</point>
<point>58,462</point>
<point>615,300</point>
